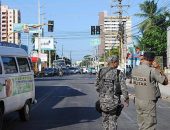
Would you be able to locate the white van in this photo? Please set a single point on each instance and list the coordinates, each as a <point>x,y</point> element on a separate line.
<point>17,89</point>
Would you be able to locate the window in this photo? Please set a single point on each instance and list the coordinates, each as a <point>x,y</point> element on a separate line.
<point>0,68</point>
<point>31,63</point>
<point>23,65</point>
<point>10,66</point>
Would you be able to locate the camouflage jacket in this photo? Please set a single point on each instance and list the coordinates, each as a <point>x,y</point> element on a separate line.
<point>107,85</point>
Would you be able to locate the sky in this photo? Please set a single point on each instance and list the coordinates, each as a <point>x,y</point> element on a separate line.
<point>73,19</point>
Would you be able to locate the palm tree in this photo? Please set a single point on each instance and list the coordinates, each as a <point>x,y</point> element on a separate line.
<point>150,13</point>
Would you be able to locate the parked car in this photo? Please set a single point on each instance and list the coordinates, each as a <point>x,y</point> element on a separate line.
<point>84,70</point>
<point>71,70</point>
<point>56,71</point>
<point>49,72</point>
<point>74,70</point>
<point>66,71</point>
<point>92,70</point>
<point>77,70</point>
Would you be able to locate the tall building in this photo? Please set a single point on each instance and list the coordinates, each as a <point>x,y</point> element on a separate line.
<point>109,30</point>
<point>8,18</point>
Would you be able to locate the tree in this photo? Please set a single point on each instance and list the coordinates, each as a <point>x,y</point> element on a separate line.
<point>113,51</point>
<point>33,37</point>
<point>67,61</point>
<point>154,40</point>
<point>154,27</point>
<point>150,12</point>
<point>86,61</point>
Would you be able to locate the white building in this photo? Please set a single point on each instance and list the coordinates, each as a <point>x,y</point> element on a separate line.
<point>109,30</point>
<point>8,18</point>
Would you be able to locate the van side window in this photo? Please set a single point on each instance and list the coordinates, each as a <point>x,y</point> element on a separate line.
<point>23,65</point>
<point>30,63</point>
<point>0,68</point>
<point>10,66</point>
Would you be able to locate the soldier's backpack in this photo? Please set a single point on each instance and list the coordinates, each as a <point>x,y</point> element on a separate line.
<point>108,103</point>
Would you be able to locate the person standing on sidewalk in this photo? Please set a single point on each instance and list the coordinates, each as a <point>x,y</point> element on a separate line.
<point>110,84</point>
<point>144,78</point>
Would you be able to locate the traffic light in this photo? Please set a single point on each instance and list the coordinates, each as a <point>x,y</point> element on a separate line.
<point>93,30</point>
<point>50,26</point>
<point>97,30</point>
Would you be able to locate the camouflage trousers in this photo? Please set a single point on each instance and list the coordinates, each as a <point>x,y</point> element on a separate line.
<point>146,114</point>
<point>109,122</point>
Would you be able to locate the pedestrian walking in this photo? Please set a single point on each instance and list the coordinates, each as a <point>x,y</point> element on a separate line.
<point>110,85</point>
<point>145,78</point>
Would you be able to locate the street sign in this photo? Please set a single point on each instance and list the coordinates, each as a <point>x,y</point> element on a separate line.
<point>95,42</point>
<point>18,27</point>
<point>43,57</point>
<point>35,31</point>
<point>26,28</point>
<point>47,43</point>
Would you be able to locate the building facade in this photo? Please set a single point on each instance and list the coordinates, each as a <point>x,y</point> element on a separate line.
<point>8,18</point>
<point>109,31</point>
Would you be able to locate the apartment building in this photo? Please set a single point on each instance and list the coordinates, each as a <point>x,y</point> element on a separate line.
<point>8,18</point>
<point>109,30</point>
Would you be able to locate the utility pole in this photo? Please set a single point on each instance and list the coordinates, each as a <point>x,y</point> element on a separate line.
<point>39,35</point>
<point>120,35</point>
<point>71,57</point>
<point>62,52</point>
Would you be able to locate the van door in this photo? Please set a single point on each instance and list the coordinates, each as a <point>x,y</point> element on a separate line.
<point>2,82</point>
<point>26,84</point>
<point>10,74</point>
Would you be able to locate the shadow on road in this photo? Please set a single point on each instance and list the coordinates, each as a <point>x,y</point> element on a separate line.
<point>53,111</point>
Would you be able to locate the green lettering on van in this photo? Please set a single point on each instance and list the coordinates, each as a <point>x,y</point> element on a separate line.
<point>22,84</point>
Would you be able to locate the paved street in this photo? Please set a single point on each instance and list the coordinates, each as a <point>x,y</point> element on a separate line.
<point>67,103</point>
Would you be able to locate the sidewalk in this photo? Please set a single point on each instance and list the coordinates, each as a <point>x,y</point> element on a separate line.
<point>165,89</point>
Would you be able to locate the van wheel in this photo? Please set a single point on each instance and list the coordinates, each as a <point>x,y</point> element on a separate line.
<point>1,118</point>
<point>24,113</point>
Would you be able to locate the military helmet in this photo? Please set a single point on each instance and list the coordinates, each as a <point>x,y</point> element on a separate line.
<point>113,58</point>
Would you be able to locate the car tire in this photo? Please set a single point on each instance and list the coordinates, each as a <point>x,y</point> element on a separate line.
<point>1,118</point>
<point>24,113</point>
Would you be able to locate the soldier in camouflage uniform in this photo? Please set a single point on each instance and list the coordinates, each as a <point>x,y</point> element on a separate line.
<point>109,100</point>
<point>145,79</point>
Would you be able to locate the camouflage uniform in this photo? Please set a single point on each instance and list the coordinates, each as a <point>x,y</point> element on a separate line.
<point>145,80</point>
<point>106,90</point>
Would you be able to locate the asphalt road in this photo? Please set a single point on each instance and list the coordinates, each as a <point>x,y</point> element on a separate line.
<point>67,103</point>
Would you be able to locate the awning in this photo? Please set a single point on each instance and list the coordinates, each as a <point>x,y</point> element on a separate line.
<point>34,59</point>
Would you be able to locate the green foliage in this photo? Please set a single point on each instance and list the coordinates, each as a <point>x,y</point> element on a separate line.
<point>113,51</point>
<point>154,27</point>
<point>86,61</point>
<point>154,39</point>
<point>33,37</point>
